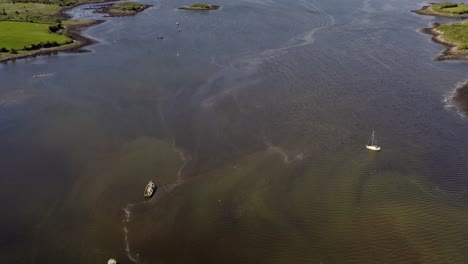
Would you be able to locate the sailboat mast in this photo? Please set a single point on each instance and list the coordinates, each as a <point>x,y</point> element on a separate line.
<point>372,138</point>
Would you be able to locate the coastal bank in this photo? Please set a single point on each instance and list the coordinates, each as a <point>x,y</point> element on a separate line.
<point>453,36</point>
<point>31,29</point>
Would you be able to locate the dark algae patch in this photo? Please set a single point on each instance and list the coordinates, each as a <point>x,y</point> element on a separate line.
<point>460,98</point>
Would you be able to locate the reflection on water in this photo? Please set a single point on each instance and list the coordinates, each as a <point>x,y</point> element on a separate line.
<point>252,122</point>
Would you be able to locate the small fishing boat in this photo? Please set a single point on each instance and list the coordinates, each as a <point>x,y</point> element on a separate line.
<point>373,144</point>
<point>149,190</point>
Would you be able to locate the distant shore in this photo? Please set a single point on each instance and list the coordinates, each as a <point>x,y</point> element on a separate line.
<point>74,30</point>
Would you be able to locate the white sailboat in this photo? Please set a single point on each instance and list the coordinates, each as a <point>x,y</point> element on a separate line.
<point>373,146</point>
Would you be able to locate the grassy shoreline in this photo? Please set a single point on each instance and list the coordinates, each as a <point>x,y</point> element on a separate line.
<point>447,10</point>
<point>452,49</point>
<point>64,34</point>
<point>453,36</point>
<point>74,30</point>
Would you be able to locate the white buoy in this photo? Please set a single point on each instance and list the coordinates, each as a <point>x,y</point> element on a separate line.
<point>177,23</point>
<point>112,261</point>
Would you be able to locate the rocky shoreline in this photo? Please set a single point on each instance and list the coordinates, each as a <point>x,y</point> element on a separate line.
<point>451,52</point>
<point>459,98</point>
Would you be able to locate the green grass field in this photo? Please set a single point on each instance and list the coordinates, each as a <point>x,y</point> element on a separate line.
<point>200,5</point>
<point>52,2</point>
<point>28,12</point>
<point>456,33</point>
<point>17,35</point>
<point>449,8</point>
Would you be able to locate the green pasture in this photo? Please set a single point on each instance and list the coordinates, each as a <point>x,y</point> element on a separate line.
<point>17,35</point>
<point>450,8</point>
<point>456,33</point>
<point>28,12</point>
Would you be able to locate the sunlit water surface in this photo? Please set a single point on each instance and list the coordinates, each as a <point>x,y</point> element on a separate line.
<point>252,121</point>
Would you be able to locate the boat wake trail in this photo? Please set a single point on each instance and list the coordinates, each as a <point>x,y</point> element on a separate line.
<point>127,210</point>
<point>127,215</point>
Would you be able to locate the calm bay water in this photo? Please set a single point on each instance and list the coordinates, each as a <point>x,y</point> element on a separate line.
<point>252,121</point>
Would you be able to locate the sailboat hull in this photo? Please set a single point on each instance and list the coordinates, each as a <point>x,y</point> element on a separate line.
<point>373,148</point>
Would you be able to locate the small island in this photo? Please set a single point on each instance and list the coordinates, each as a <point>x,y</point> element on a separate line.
<point>121,9</point>
<point>446,9</point>
<point>200,7</point>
